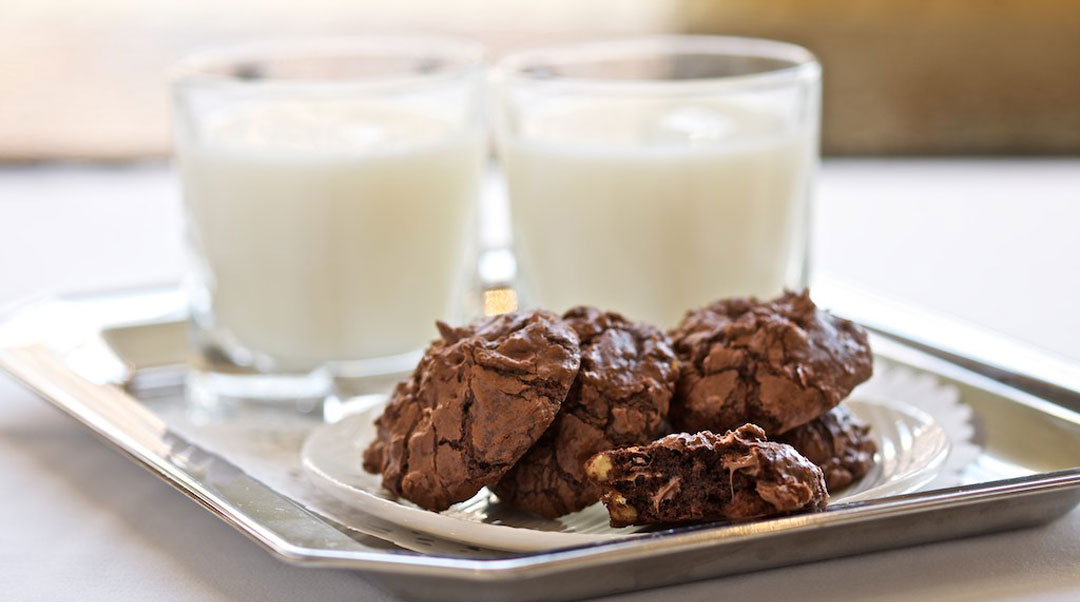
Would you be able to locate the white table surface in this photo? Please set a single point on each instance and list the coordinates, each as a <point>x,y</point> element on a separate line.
<point>993,241</point>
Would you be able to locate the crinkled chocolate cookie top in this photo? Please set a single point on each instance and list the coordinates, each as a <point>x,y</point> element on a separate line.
<point>778,364</point>
<point>621,396</point>
<point>480,397</point>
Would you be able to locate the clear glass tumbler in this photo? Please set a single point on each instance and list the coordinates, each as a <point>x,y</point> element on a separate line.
<point>330,188</point>
<point>654,175</point>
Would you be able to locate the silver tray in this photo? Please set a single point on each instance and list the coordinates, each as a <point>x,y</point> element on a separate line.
<point>114,362</point>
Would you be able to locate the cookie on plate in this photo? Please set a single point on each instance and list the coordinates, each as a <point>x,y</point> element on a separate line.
<point>737,476</point>
<point>838,442</point>
<point>778,364</point>
<point>621,396</point>
<point>478,400</point>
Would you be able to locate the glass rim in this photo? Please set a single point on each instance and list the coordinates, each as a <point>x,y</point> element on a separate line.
<point>803,65</point>
<point>196,69</point>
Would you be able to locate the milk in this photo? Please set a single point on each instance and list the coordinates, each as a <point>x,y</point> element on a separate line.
<point>656,207</point>
<point>336,233</point>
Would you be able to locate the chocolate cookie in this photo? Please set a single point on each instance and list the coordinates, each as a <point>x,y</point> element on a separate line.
<point>621,396</point>
<point>738,476</point>
<point>838,442</point>
<point>778,364</point>
<point>478,400</point>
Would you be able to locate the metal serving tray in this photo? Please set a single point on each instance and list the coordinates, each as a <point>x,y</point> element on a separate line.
<point>113,362</point>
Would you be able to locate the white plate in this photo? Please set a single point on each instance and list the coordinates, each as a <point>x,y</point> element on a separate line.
<point>912,448</point>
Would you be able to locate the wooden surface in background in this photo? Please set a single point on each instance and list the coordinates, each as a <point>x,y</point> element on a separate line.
<point>86,80</point>
<point>928,77</point>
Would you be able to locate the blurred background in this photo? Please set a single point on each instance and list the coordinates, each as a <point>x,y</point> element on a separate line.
<point>951,132</point>
<point>85,79</point>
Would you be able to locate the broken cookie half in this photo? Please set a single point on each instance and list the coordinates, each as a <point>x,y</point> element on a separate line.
<point>737,476</point>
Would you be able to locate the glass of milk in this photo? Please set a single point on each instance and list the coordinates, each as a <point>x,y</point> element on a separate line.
<point>654,175</point>
<point>330,188</point>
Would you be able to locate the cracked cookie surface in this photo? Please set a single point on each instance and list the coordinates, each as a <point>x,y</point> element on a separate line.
<point>621,397</point>
<point>736,476</point>
<point>478,400</point>
<point>838,442</point>
<point>778,364</point>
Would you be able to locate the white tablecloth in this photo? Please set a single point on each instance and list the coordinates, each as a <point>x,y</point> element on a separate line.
<point>993,241</point>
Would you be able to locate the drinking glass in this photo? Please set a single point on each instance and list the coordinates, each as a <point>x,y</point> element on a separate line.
<point>654,175</point>
<point>330,189</point>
